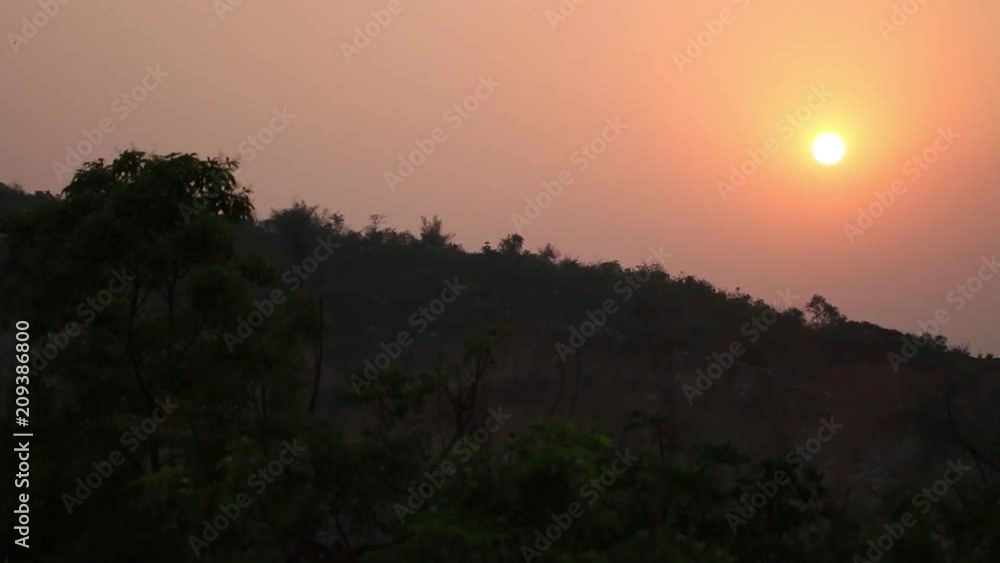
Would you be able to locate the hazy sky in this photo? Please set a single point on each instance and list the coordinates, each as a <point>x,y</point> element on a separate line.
<point>210,75</point>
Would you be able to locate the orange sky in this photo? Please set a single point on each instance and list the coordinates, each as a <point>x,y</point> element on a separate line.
<point>656,181</point>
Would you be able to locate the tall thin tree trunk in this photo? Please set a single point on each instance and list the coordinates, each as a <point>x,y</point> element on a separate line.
<point>318,355</point>
<point>576,386</point>
<point>133,355</point>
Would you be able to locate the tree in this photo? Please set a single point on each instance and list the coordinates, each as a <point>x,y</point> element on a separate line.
<point>13,199</point>
<point>432,232</point>
<point>512,245</point>
<point>134,276</point>
<point>549,253</point>
<point>822,313</point>
<point>299,229</point>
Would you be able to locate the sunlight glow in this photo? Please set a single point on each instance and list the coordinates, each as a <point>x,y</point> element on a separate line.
<point>828,149</point>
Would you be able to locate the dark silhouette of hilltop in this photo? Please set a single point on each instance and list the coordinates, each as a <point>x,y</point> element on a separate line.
<point>323,393</point>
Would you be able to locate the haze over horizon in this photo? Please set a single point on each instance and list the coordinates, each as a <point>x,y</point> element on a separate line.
<point>674,118</point>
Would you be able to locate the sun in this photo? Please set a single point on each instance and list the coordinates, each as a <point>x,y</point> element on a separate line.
<point>829,149</point>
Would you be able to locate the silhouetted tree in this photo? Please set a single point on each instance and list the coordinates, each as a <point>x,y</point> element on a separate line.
<point>549,253</point>
<point>512,244</point>
<point>822,313</point>
<point>432,232</point>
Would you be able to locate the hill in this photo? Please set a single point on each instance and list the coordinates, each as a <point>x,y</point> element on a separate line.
<point>390,355</point>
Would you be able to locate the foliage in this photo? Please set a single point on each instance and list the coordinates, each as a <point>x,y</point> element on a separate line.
<point>181,231</point>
